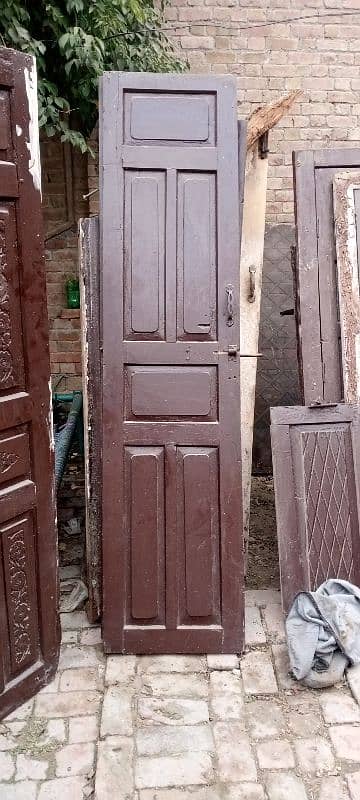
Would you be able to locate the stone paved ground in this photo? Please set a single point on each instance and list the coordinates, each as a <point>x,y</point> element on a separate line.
<point>183,728</point>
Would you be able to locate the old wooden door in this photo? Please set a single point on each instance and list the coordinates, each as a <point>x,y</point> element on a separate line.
<point>172,507</point>
<point>28,596</point>
<point>316,460</point>
<point>315,271</point>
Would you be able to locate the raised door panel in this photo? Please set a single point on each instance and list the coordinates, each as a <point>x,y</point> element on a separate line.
<point>196,256</point>
<point>11,350</point>
<point>198,536</point>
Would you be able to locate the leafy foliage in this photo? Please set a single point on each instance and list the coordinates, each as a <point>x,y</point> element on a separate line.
<point>74,42</point>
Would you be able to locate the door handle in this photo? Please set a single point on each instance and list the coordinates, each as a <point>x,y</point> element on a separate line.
<point>230,304</point>
<point>252,292</point>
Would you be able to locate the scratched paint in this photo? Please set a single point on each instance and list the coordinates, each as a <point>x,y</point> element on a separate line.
<point>33,143</point>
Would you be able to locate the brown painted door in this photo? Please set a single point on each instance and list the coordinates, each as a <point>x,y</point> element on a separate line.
<point>316,271</point>
<point>28,596</point>
<point>172,508</point>
<point>316,460</point>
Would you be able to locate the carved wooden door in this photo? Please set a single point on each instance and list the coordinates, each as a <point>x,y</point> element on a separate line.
<point>28,585</point>
<point>172,507</point>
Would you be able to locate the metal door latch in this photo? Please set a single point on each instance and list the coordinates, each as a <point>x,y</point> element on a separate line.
<point>252,288</point>
<point>229,289</point>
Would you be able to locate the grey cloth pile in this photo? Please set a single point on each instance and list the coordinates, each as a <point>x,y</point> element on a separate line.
<point>323,633</point>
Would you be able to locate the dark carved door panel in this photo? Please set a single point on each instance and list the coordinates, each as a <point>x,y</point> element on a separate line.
<point>316,476</point>
<point>172,509</point>
<point>316,271</point>
<point>28,584</point>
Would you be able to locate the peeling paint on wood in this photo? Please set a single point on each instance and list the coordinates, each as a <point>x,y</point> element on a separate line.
<point>346,186</point>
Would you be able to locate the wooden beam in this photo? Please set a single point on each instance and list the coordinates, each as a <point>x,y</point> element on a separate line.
<point>266,117</point>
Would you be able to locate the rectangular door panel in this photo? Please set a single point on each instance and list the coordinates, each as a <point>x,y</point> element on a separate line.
<point>17,549</point>
<point>144,255</point>
<point>198,536</point>
<point>179,118</point>
<point>171,392</point>
<point>11,354</point>
<point>144,501</point>
<point>196,256</point>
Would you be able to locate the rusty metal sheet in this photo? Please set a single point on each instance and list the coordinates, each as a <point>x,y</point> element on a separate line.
<point>316,462</point>
<point>29,629</point>
<point>91,373</point>
<point>316,280</point>
<point>172,501</point>
<point>346,190</point>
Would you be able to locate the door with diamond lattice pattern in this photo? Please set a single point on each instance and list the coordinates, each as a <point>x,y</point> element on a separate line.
<point>316,468</point>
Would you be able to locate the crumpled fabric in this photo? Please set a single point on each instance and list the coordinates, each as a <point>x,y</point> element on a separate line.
<point>322,623</point>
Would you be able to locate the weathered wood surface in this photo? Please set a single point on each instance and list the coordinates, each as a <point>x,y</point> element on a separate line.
<point>91,375</point>
<point>316,278</point>
<point>264,118</point>
<point>316,461</point>
<point>346,191</point>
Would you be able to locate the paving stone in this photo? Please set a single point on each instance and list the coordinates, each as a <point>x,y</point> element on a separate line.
<point>51,687</point>
<point>55,729</point>
<point>195,793</point>
<point>265,719</point>
<point>227,707</point>
<point>314,755</point>
<point>30,768</point>
<point>353,780</point>
<point>75,759</point>
<point>353,679</point>
<point>114,774</point>
<point>77,680</point>
<point>235,759</point>
<point>185,770</point>
<point>282,668</point>
<point>258,674</point>
<point>172,664</point>
<point>162,740</point>
<point>7,742</point>
<point>333,788</point>
<point>172,711</point>
<point>19,791</point>
<point>243,791</point>
<point>169,685</point>
<point>254,631</point>
<point>119,669</point>
<point>304,715</point>
<point>262,597</point>
<point>346,740</point>
<point>23,712</point>
<point>75,657</point>
<point>7,767</point>
<point>83,729</point>
<point>222,683</point>
<point>91,636</point>
<point>67,704</point>
<point>339,707</point>
<point>226,662</point>
<point>74,621</point>
<point>285,786</point>
<point>276,754</point>
<point>69,637</point>
<point>274,621</point>
<point>116,718</point>
<point>16,727</point>
<point>62,789</point>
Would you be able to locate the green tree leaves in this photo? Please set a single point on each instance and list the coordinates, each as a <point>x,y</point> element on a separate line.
<point>74,42</point>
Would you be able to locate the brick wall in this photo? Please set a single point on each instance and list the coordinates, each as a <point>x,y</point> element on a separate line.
<point>320,56</point>
<point>64,182</point>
